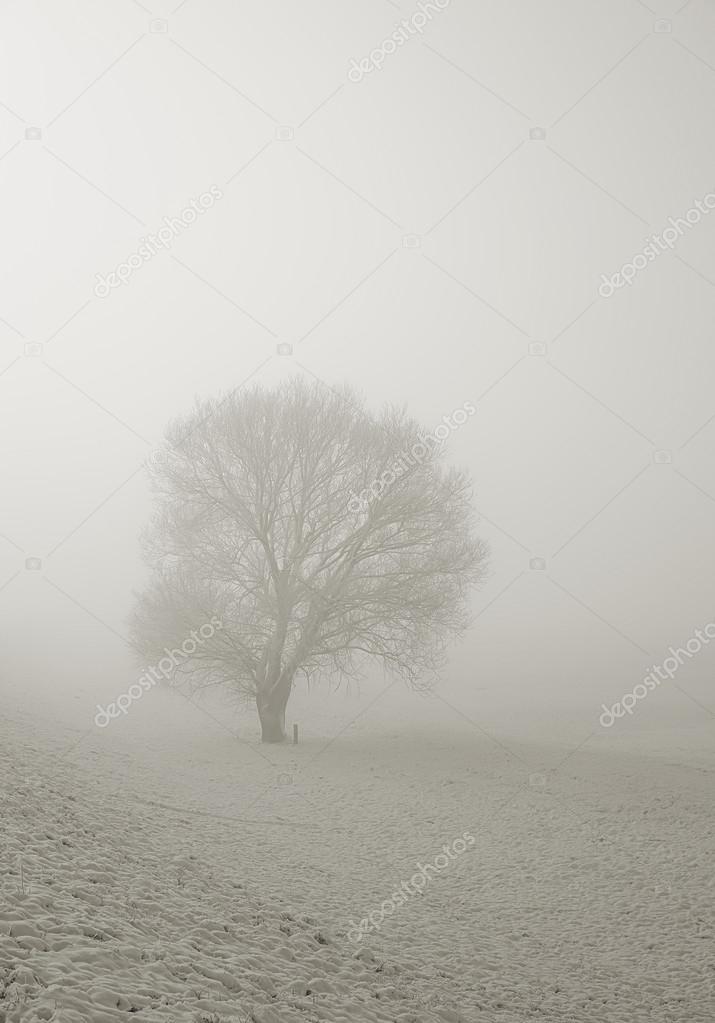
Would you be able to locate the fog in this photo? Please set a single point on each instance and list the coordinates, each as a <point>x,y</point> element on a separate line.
<point>311,245</point>
<point>443,204</point>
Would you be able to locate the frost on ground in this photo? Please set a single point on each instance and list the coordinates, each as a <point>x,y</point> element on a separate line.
<point>189,879</point>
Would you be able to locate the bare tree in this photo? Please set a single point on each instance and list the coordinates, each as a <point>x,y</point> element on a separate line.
<point>259,526</point>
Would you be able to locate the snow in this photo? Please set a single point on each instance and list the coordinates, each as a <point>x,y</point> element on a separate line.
<point>163,869</point>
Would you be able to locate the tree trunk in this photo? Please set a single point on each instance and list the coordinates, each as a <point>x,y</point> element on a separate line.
<point>273,721</point>
<point>271,703</point>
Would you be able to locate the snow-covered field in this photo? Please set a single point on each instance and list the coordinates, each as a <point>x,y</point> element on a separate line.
<point>166,869</point>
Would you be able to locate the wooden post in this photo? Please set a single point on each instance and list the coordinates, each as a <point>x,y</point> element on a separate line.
<point>295,735</point>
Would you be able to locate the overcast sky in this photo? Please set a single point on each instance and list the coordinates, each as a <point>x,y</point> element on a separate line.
<point>435,233</point>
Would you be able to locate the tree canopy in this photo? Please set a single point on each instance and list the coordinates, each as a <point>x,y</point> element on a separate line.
<point>259,524</point>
